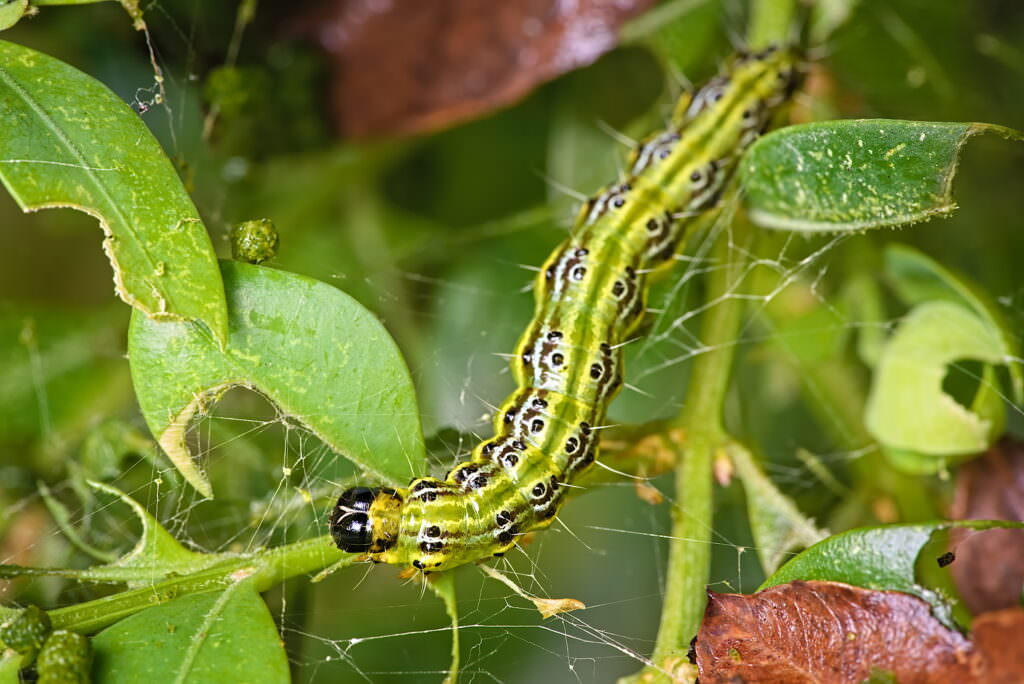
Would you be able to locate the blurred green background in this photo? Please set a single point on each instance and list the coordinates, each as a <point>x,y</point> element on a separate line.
<point>428,233</point>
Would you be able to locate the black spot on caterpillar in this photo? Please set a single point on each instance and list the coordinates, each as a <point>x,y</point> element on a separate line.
<point>589,297</point>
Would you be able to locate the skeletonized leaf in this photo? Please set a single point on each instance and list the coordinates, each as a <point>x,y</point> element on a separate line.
<point>311,349</point>
<point>67,141</point>
<point>853,175</point>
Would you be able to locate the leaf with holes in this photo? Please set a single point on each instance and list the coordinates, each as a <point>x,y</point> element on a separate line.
<point>67,141</point>
<point>921,426</point>
<point>226,636</point>
<point>853,175</point>
<point>310,348</point>
<point>918,278</point>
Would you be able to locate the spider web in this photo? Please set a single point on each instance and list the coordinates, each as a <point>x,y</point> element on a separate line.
<point>275,479</point>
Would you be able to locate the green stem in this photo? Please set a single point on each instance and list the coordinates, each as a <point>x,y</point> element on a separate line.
<point>770,22</point>
<point>689,561</point>
<point>264,568</point>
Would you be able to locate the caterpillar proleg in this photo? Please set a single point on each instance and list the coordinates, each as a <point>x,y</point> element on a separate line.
<point>589,296</point>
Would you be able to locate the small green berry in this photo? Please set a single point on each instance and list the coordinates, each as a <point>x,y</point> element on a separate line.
<point>65,659</point>
<point>27,630</point>
<point>254,241</point>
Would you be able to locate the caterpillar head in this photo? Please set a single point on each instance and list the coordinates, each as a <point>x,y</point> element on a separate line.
<point>363,520</point>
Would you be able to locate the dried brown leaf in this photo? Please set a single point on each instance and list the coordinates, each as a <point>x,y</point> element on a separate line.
<point>999,642</point>
<point>829,632</point>
<point>551,607</point>
<point>989,567</point>
<point>406,67</point>
<point>648,493</point>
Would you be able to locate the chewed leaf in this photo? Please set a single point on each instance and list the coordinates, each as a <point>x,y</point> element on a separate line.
<point>853,175</point>
<point>777,524</point>
<point>225,636</point>
<point>917,278</point>
<point>907,409</point>
<point>311,349</point>
<point>876,558</point>
<point>156,549</point>
<point>154,557</point>
<point>67,141</point>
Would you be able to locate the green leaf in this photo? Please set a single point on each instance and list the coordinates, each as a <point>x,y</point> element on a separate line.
<point>907,409</point>
<point>69,142</point>
<point>880,558</point>
<point>311,349</point>
<point>777,524</point>
<point>11,12</point>
<point>854,175</point>
<point>224,636</point>
<point>10,664</point>
<point>66,658</point>
<point>917,278</point>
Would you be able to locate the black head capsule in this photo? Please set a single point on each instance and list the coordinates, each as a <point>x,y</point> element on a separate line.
<point>350,523</point>
<point>352,532</point>
<point>357,499</point>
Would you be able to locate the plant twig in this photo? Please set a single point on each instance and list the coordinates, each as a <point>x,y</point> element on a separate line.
<point>268,568</point>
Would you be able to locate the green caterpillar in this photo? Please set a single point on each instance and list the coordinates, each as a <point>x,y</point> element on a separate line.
<point>590,295</point>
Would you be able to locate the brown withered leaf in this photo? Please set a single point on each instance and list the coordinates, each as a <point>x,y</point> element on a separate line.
<point>999,637</point>
<point>408,67</point>
<point>811,632</point>
<point>989,566</point>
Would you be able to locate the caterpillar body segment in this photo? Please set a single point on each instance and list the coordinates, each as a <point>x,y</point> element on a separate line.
<point>589,298</point>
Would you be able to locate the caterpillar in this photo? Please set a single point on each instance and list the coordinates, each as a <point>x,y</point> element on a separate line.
<point>589,296</point>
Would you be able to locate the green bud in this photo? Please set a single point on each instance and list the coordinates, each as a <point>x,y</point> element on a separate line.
<point>254,241</point>
<point>27,630</point>
<point>65,659</point>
